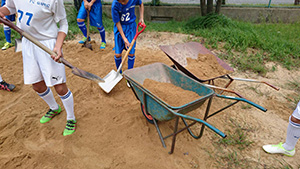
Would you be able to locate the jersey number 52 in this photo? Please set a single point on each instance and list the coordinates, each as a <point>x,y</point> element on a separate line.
<point>125,17</point>
<point>29,17</point>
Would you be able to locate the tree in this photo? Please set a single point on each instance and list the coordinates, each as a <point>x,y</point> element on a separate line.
<point>207,6</point>
<point>77,4</point>
<point>296,2</point>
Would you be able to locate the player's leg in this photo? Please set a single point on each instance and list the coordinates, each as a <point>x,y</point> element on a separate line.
<point>119,46</point>
<point>66,97</point>
<point>292,136</point>
<point>96,20</point>
<point>130,35</point>
<point>6,86</point>
<point>7,33</point>
<point>80,22</point>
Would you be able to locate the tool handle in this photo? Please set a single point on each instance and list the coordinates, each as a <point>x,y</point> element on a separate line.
<point>131,44</point>
<point>33,40</point>
<point>88,24</point>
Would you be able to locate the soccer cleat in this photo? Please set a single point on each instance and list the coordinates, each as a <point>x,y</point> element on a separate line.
<point>50,114</point>
<point>103,45</point>
<point>7,45</point>
<point>83,40</point>
<point>273,149</point>
<point>128,85</point>
<point>6,86</point>
<point>70,127</point>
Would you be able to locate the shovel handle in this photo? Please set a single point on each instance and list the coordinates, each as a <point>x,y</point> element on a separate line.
<point>33,40</point>
<point>131,44</point>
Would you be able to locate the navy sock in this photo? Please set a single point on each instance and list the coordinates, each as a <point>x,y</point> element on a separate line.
<point>131,61</point>
<point>82,27</point>
<point>102,33</point>
<point>118,61</point>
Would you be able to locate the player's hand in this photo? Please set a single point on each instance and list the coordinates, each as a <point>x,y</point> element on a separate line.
<point>86,5</point>
<point>142,22</point>
<point>89,6</point>
<point>127,44</point>
<point>2,15</point>
<point>58,54</point>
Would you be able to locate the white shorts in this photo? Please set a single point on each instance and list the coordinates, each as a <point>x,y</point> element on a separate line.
<point>296,112</point>
<point>39,66</point>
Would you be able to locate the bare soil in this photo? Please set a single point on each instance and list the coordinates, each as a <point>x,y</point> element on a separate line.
<point>112,131</point>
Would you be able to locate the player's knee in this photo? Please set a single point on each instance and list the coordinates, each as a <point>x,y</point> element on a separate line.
<point>295,120</point>
<point>118,55</point>
<point>80,20</point>
<point>61,89</point>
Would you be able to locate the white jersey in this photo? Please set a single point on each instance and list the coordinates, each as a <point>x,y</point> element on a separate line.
<point>39,18</point>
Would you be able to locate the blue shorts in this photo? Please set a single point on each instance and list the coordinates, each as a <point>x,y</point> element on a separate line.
<point>129,31</point>
<point>9,17</point>
<point>95,14</point>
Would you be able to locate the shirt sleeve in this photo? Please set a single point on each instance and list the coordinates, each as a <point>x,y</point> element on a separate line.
<point>115,13</point>
<point>10,5</point>
<point>138,2</point>
<point>60,16</point>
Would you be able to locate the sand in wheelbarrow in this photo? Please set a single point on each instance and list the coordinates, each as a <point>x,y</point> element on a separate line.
<point>169,93</point>
<point>206,67</point>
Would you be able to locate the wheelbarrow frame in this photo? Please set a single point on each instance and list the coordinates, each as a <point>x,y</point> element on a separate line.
<point>167,112</point>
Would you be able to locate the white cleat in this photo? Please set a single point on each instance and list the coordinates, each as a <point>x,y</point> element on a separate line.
<point>278,149</point>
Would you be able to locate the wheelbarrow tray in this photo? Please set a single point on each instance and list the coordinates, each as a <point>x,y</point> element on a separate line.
<point>179,53</point>
<point>160,72</point>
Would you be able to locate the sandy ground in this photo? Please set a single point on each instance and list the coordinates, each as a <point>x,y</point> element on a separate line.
<point>112,131</point>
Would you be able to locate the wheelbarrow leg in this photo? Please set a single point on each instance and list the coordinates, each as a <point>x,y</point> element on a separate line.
<point>174,135</point>
<point>205,117</point>
<point>159,133</point>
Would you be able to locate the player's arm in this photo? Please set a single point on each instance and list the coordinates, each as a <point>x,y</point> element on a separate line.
<point>119,26</point>
<point>141,20</point>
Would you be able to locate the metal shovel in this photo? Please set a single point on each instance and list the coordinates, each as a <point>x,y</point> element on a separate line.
<point>113,77</point>
<point>18,45</point>
<point>75,70</point>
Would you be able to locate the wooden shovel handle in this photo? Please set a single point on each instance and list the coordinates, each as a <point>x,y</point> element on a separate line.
<point>33,40</point>
<point>132,43</point>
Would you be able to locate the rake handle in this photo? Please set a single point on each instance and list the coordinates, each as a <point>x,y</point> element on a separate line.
<point>35,41</point>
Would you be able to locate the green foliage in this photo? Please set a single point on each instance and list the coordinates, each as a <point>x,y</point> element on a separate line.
<point>209,21</point>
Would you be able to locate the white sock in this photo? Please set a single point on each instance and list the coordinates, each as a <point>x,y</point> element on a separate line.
<point>292,135</point>
<point>68,102</point>
<point>48,97</point>
<point>1,79</point>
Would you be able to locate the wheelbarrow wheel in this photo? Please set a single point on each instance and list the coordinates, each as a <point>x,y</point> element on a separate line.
<point>147,115</point>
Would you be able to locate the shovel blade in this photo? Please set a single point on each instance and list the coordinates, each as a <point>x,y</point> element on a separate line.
<point>111,80</point>
<point>18,45</point>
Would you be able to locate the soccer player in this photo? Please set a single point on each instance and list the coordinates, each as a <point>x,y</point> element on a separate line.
<point>6,86</point>
<point>39,19</point>
<point>123,16</point>
<point>7,30</point>
<point>95,9</point>
<point>292,136</point>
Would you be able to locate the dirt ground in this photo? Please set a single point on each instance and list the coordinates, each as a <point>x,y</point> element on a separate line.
<point>112,131</point>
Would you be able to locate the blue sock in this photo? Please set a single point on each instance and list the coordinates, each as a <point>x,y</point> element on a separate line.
<point>82,27</point>
<point>7,33</point>
<point>131,61</point>
<point>118,62</point>
<point>102,33</point>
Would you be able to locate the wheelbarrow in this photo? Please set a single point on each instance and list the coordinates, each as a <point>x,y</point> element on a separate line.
<point>179,53</point>
<point>159,110</point>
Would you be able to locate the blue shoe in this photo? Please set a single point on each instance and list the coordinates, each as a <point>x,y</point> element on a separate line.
<point>83,40</point>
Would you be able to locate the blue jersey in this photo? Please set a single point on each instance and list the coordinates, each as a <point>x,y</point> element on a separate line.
<point>124,13</point>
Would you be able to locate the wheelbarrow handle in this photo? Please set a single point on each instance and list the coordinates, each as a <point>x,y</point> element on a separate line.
<point>257,81</point>
<point>200,121</point>
<point>244,100</point>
